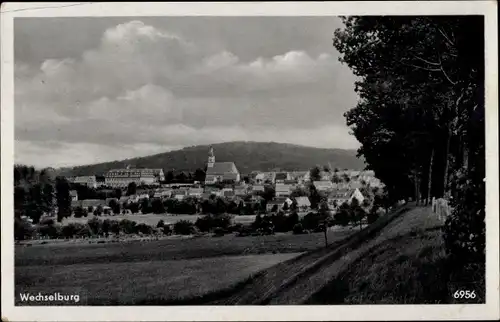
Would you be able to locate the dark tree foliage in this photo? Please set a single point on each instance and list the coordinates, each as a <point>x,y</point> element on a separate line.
<point>63,199</point>
<point>131,189</point>
<point>420,117</point>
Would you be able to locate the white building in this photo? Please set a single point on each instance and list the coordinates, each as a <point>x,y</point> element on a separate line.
<point>121,178</point>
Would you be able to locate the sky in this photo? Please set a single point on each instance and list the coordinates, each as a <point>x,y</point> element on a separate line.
<point>91,90</point>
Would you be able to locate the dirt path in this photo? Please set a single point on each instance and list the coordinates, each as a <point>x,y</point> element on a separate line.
<point>280,283</point>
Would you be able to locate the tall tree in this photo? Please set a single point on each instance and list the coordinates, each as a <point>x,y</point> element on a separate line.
<point>63,198</point>
<point>315,174</point>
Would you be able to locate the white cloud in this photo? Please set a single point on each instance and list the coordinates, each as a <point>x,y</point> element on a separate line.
<point>145,89</point>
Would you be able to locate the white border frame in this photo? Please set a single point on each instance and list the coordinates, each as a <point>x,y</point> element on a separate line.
<point>251,313</point>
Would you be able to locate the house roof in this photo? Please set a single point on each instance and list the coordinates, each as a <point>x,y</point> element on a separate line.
<point>221,168</point>
<point>73,193</point>
<point>342,193</point>
<point>93,203</point>
<point>258,188</point>
<point>323,184</point>
<point>303,201</point>
<point>283,188</point>
<point>281,176</point>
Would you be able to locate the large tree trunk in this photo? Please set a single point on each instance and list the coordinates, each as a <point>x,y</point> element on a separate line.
<point>429,181</point>
<point>415,181</point>
<point>446,160</point>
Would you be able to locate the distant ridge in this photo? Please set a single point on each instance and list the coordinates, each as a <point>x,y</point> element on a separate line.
<point>248,156</point>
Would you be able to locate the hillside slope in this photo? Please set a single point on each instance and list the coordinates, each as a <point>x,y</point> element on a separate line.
<point>248,156</point>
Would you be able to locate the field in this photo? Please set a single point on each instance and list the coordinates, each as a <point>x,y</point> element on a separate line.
<point>169,269</point>
<point>139,282</point>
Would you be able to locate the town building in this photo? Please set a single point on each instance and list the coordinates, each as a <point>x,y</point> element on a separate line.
<point>195,192</point>
<point>340,196</point>
<point>281,177</point>
<point>323,185</point>
<point>74,195</point>
<point>220,171</point>
<point>278,204</point>
<point>89,181</point>
<point>257,188</point>
<point>121,178</point>
<point>265,177</point>
<point>283,190</point>
<point>303,203</point>
<point>241,190</point>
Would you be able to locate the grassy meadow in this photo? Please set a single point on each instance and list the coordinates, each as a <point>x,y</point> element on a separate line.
<point>405,265</point>
<point>139,272</point>
<point>144,281</point>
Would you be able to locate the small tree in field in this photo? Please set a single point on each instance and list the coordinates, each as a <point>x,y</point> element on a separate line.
<point>183,227</point>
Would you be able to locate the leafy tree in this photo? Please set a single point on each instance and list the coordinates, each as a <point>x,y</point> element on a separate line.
<point>184,227</point>
<point>315,174</point>
<point>115,206</point>
<point>128,226</point>
<point>118,193</point>
<point>114,227</point>
<point>342,216</point>
<point>95,225</point>
<point>298,229</point>
<point>145,206</point>
<point>98,211</point>
<point>336,178</point>
<point>63,199</point>
<point>199,175</point>
<point>169,177</point>
<point>157,206</point>
<point>160,224</point>
<point>79,212</point>
<point>131,189</point>
<point>144,229</point>
<point>269,193</point>
<point>22,229</point>
<point>106,227</point>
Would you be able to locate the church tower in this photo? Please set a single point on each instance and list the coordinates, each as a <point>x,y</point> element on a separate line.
<point>211,158</point>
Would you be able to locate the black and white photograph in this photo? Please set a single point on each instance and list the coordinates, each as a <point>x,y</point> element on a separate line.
<point>238,157</point>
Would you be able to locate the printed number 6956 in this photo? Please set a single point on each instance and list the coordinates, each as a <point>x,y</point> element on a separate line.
<point>461,294</point>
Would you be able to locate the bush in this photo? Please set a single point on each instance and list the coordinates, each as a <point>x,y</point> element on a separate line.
<point>372,217</point>
<point>167,230</point>
<point>464,230</point>
<point>144,229</point>
<point>184,227</point>
<point>47,222</point>
<point>298,229</point>
<point>114,227</point>
<point>85,231</point>
<point>90,209</point>
<point>208,222</point>
<point>160,224</point>
<point>70,230</point>
<point>22,229</point>
<point>157,206</point>
<point>218,231</point>
<point>98,211</point>
<point>79,212</point>
<point>128,226</point>
<point>51,231</point>
<point>95,225</point>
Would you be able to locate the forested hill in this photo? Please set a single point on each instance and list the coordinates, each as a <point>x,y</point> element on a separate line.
<point>248,156</point>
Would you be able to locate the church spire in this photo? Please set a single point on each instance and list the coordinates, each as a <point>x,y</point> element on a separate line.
<point>211,157</point>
